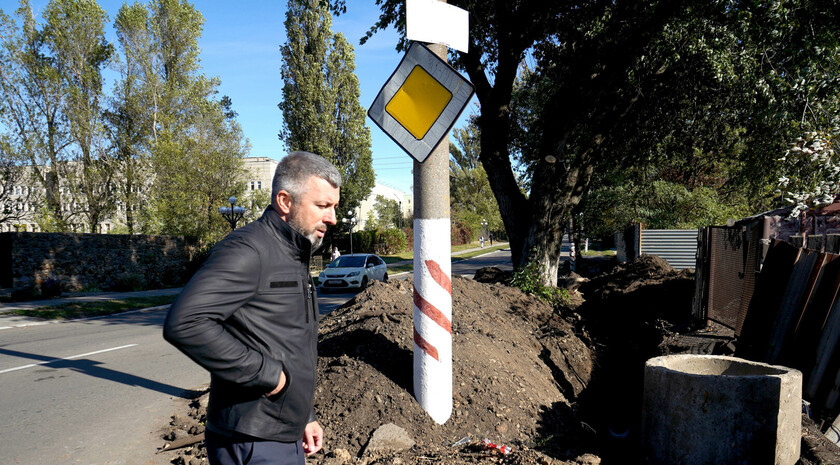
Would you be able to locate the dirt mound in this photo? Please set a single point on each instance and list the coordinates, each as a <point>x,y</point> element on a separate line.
<point>524,374</point>
<point>516,364</point>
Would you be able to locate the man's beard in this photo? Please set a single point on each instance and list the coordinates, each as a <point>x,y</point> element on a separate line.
<point>314,239</point>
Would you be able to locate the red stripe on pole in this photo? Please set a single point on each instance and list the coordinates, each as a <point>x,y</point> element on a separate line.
<point>423,344</point>
<point>439,276</point>
<point>430,311</point>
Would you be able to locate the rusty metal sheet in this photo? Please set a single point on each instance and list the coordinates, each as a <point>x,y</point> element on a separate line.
<point>763,311</point>
<point>796,295</point>
<point>806,334</point>
<point>828,357</point>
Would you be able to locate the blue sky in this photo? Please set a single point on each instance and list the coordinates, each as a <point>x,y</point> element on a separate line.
<point>240,45</point>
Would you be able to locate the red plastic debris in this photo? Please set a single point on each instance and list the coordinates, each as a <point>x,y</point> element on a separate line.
<point>501,448</point>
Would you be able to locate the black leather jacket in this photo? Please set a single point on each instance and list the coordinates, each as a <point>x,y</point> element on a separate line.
<point>249,313</point>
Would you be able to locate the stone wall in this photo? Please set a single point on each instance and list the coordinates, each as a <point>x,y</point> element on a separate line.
<point>92,261</point>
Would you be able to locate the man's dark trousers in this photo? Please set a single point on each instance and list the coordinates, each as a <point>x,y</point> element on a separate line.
<point>222,450</point>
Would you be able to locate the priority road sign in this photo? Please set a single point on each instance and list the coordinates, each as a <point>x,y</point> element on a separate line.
<point>421,101</point>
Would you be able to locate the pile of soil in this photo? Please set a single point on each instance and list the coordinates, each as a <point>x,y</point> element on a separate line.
<point>558,385</point>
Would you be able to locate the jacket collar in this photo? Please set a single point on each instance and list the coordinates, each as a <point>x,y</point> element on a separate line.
<point>301,244</point>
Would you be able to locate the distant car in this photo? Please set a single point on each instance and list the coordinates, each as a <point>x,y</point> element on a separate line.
<point>350,271</point>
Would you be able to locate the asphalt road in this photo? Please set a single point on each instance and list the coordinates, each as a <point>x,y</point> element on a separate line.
<point>99,391</point>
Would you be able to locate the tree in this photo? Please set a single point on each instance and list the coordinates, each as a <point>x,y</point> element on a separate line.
<point>387,212</point>
<point>204,170</point>
<point>195,146</point>
<point>471,198</point>
<point>15,192</point>
<point>627,83</point>
<point>321,110</point>
<point>74,34</point>
<point>130,123</point>
<point>31,96</point>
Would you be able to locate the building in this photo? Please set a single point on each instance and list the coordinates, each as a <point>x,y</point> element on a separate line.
<point>261,171</point>
<point>405,201</point>
<point>26,198</point>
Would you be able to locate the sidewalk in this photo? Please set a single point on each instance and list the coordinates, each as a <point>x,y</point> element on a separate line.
<point>11,321</point>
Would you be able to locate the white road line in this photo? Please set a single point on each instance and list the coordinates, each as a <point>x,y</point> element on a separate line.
<point>66,358</point>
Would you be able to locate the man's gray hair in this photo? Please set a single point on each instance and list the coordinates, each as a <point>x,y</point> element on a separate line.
<point>295,169</point>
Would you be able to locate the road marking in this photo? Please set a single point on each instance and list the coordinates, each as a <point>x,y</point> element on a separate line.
<point>66,358</point>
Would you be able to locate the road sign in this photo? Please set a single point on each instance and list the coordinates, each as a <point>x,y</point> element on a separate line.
<point>421,101</point>
<point>436,22</point>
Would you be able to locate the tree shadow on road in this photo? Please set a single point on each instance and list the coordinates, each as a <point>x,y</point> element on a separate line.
<point>93,368</point>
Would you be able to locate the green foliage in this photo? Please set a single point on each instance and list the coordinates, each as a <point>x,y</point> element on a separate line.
<point>129,281</point>
<point>470,196</point>
<point>321,110</point>
<point>363,241</point>
<point>387,211</point>
<point>659,205</point>
<point>392,240</point>
<point>528,279</point>
<point>811,170</point>
<point>696,94</point>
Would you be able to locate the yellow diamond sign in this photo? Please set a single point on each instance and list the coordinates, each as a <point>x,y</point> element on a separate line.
<point>420,102</point>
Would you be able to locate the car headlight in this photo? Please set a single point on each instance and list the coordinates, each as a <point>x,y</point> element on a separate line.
<point>321,276</point>
<point>354,273</point>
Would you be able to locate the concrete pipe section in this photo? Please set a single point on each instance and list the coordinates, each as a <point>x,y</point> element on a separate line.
<point>707,409</point>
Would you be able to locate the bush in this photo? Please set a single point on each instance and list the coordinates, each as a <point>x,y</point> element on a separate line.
<point>364,240</point>
<point>130,281</point>
<point>527,279</point>
<point>461,233</point>
<point>25,292</point>
<point>50,287</point>
<point>393,240</point>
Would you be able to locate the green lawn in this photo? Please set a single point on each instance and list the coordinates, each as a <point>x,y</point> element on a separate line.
<point>88,309</point>
<point>409,255</point>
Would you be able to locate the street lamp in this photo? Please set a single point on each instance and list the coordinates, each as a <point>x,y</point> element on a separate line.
<point>484,231</point>
<point>352,221</point>
<point>232,214</point>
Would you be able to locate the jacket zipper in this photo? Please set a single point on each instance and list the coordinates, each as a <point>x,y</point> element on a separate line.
<point>308,300</point>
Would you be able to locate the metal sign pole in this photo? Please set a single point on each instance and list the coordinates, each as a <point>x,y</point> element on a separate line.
<point>432,280</point>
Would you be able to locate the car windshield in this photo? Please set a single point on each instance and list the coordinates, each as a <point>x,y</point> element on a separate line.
<point>348,262</point>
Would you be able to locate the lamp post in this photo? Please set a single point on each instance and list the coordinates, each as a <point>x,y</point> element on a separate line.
<point>483,231</point>
<point>232,213</point>
<point>352,221</point>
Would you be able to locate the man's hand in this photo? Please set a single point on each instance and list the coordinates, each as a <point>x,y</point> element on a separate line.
<point>313,438</point>
<point>280,385</point>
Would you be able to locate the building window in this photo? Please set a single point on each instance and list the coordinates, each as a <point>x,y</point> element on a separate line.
<point>259,185</point>
<point>252,185</point>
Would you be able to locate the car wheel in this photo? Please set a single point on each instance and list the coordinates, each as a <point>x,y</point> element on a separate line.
<point>364,283</point>
<point>385,278</point>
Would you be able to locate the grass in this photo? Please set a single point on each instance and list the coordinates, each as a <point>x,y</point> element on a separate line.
<point>456,256</point>
<point>595,253</point>
<point>73,310</point>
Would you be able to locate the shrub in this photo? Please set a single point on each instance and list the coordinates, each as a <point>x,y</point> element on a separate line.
<point>527,279</point>
<point>129,281</point>
<point>50,287</point>
<point>393,240</point>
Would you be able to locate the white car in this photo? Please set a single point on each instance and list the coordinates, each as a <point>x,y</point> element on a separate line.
<point>352,271</point>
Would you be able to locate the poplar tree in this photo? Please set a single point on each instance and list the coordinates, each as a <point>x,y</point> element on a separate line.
<point>321,110</point>
<point>175,138</point>
<point>75,35</point>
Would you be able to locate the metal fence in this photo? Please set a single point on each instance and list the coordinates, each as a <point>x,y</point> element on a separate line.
<point>678,247</point>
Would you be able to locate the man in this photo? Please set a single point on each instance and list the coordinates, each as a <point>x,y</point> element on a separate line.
<point>250,317</point>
